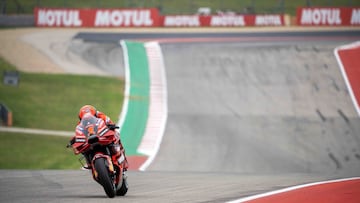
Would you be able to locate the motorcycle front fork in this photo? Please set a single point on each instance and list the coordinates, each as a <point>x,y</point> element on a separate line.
<point>85,164</point>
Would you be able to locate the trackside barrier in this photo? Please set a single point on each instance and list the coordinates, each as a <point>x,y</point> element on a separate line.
<point>328,16</point>
<point>147,17</point>
<point>150,17</point>
<point>5,115</point>
<point>59,17</point>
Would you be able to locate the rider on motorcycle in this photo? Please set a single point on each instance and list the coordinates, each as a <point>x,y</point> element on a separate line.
<point>116,147</point>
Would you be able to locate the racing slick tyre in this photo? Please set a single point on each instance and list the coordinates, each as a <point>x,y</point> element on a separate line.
<point>123,188</point>
<point>104,177</point>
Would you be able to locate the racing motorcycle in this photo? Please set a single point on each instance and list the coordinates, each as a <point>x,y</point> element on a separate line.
<point>96,141</point>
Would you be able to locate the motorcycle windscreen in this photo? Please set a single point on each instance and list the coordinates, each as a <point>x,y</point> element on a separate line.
<point>90,125</point>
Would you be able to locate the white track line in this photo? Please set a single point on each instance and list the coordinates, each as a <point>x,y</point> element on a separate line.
<point>124,109</point>
<point>37,131</point>
<point>342,69</point>
<point>289,189</point>
<point>157,118</point>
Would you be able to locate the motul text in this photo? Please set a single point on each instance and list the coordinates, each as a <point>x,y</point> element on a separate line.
<point>328,16</point>
<point>126,18</point>
<point>227,20</point>
<point>51,17</point>
<point>321,16</point>
<point>262,20</point>
<point>355,17</point>
<point>180,21</point>
<point>66,18</point>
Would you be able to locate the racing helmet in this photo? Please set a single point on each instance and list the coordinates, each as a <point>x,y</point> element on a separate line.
<point>87,109</point>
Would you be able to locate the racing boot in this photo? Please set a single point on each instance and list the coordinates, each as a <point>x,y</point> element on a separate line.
<point>118,151</point>
<point>123,156</point>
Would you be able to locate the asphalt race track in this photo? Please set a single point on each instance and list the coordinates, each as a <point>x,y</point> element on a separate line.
<point>150,186</point>
<point>248,115</point>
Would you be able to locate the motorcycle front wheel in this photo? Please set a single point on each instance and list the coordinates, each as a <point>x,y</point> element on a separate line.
<point>104,177</point>
<point>123,187</point>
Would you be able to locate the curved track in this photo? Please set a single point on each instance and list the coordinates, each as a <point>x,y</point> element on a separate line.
<point>265,108</point>
<point>245,117</point>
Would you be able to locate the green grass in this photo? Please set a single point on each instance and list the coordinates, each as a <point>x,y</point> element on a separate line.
<point>23,151</point>
<point>179,7</point>
<point>49,101</point>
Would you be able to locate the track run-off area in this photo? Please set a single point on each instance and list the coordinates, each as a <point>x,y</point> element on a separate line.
<point>249,115</point>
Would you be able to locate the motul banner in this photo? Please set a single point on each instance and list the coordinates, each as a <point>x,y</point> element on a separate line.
<point>343,16</point>
<point>180,21</point>
<point>222,20</point>
<point>53,17</point>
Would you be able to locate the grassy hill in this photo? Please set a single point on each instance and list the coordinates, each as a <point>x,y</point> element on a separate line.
<point>49,101</point>
<point>52,101</point>
<point>25,151</point>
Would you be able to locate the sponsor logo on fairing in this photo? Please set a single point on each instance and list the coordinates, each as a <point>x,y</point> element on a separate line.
<point>80,140</point>
<point>102,132</point>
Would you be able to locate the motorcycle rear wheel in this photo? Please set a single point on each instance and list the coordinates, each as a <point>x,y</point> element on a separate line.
<point>104,177</point>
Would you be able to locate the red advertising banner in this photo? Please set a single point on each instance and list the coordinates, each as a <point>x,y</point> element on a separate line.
<point>222,20</point>
<point>329,16</point>
<point>57,17</point>
<point>54,17</point>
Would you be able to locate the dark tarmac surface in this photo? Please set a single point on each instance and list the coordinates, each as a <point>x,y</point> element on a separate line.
<point>78,186</point>
<point>244,118</point>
